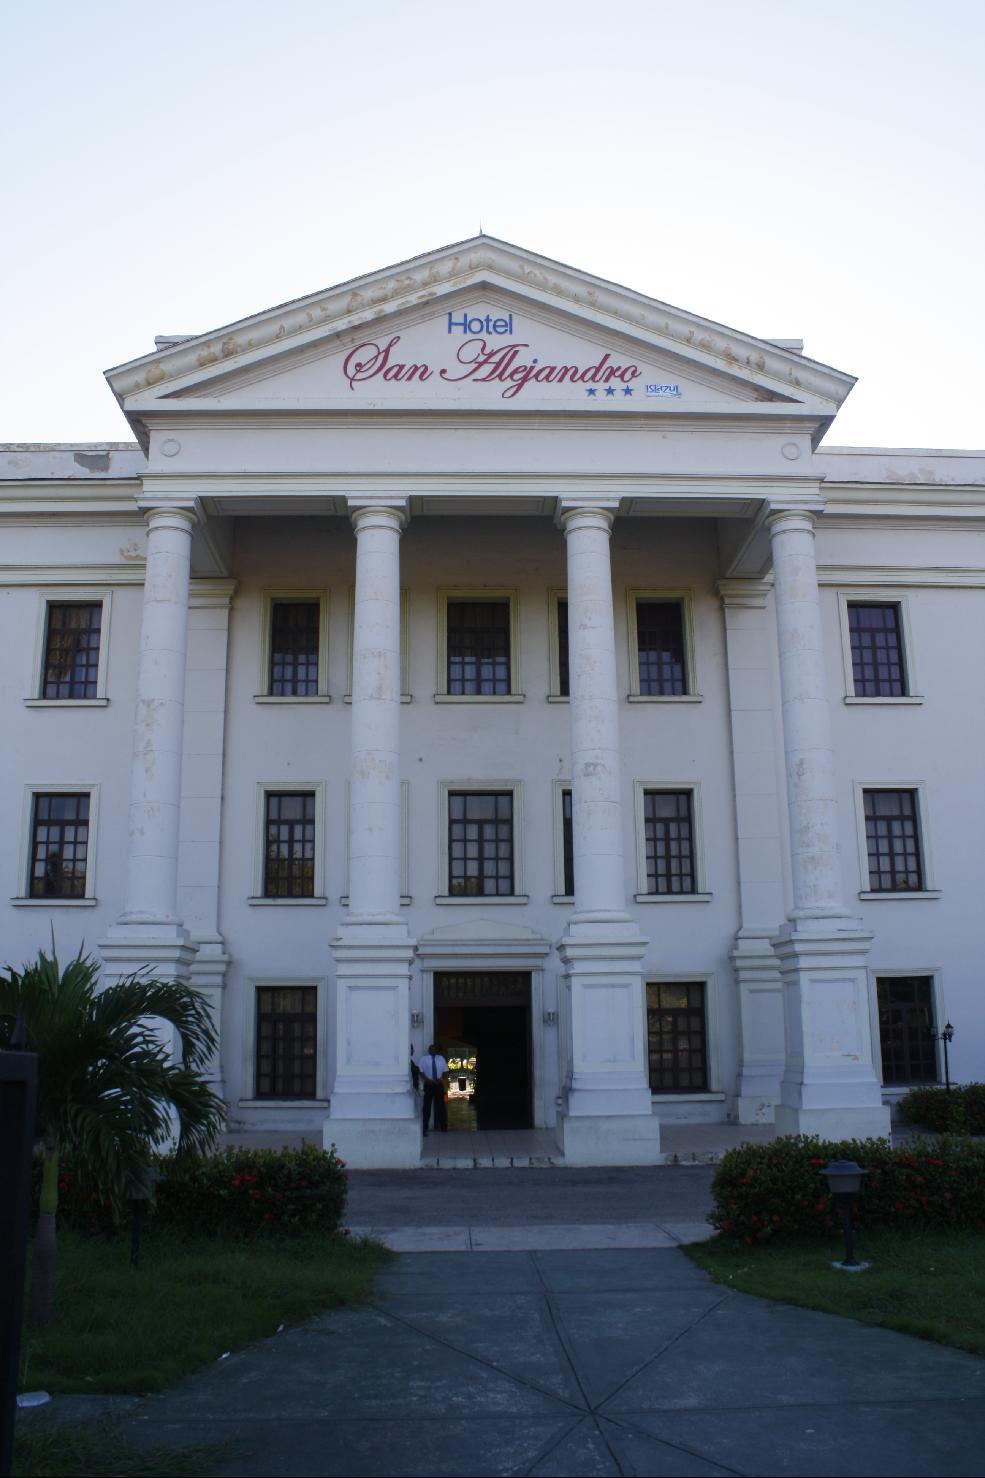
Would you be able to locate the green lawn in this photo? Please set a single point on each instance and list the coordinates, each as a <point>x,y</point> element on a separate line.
<point>55,1449</point>
<point>928,1284</point>
<point>120,1329</point>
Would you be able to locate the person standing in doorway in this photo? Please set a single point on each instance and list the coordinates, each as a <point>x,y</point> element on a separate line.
<point>433,1068</point>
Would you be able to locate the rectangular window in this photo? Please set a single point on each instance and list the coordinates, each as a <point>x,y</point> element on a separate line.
<point>669,833</point>
<point>564,680</point>
<point>660,648</point>
<point>480,843</point>
<point>478,635</point>
<point>294,638</point>
<point>876,641</point>
<point>286,1035</point>
<point>567,844</point>
<point>59,845</point>
<point>892,837</point>
<point>71,651</point>
<point>289,859</point>
<point>677,1038</point>
<point>906,1025</point>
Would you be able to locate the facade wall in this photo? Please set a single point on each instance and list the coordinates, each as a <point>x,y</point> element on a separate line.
<point>933,744</point>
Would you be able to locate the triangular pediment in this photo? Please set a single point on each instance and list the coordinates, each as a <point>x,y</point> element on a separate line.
<point>483,326</point>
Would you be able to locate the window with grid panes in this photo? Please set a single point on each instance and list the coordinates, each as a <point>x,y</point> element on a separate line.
<point>563,675</point>
<point>480,843</point>
<point>71,650</point>
<point>906,1024</point>
<point>677,1039</point>
<point>286,1041</point>
<point>660,648</point>
<point>59,845</point>
<point>289,862</point>
<point>567,844</point>
<point>668,831</point>
<point>892,836</point>
<point>478,647</point>
<point>294,635</point>
<point>876,641</point>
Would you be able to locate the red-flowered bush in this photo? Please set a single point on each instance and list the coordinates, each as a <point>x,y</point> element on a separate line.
<point>241,1193</point>
<point>766,1191</point>
<point>960,1110</point>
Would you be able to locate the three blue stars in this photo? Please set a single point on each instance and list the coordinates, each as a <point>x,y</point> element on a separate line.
<point>609,390</point>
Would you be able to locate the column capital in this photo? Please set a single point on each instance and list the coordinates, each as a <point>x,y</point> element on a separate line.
<point>379,513</point>
<point>598,513</point>
<point>747,594</point>
<point>170,516</point>
<point>784,520</point>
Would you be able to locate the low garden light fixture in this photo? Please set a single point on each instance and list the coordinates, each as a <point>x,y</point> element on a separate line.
<point>844,1179</point>
<point>140,1189</point>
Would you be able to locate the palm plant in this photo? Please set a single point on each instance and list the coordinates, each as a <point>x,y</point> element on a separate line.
<point>110,1091</point>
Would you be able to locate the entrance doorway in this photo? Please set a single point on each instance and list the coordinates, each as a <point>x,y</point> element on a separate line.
<point>482,1025</point>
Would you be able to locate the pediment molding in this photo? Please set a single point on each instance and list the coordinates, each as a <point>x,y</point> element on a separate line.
<point>481,939</point>
<point>257,347</point>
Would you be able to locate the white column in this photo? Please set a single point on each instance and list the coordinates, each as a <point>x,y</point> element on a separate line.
<point>149,932</point>
<point>373,1119</point>
<point>829,1084</point>
<point>374,794</point>
<point>750,644</point>
<point>608,1113</point>
<point>596,802</point>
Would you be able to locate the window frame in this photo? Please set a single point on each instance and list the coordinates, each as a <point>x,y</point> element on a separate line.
<point>874,596</point>
<point>554,694</point>
<point>701,892</point>
<point>249,1100</point>
<point>282,787</point>
<point>560,895</point>
<point>683,598</point>
<point>478,593</point>
<point>479,787</point>
<point>268,599</point>
<point>405,689</point>
<point>933,974</point>
<point>71,596</point>
<point>89,899</point>
<point>929,889</point>
<point>714,1092</point>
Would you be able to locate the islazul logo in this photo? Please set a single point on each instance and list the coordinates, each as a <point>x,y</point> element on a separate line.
<point>663,390</point>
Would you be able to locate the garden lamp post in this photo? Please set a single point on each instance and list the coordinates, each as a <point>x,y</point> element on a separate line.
<point>945,1035</point>
<point>844,1179</point>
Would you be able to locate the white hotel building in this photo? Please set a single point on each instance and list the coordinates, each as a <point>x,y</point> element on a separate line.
<point>481,650</point>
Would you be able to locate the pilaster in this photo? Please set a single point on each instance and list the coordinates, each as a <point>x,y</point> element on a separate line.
<point>749,652</point>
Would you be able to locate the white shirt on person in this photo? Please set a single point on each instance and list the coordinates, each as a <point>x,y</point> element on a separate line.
<point>432,1067</point>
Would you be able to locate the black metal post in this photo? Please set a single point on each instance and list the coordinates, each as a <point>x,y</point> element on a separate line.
<point>136,1225</point>
<point>947,1072</point>
<point>18,1099</point>
<point>846,1210</point>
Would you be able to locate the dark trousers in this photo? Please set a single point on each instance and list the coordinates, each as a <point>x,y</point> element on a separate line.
<point>434,1093</point>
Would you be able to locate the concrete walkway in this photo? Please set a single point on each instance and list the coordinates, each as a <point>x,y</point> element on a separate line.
<point>579,1363</point>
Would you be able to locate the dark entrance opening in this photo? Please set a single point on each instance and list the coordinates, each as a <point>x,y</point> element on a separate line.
<point>482,1023</point>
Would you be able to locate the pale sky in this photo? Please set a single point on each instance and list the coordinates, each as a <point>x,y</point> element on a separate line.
<point>790,169</point>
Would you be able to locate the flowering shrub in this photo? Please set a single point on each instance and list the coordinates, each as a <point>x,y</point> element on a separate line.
<point>240,1193</point>
<point>960,1111</point>
<point>765,1191</point>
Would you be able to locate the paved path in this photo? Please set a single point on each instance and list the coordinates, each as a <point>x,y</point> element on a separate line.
<point>579,1363</point>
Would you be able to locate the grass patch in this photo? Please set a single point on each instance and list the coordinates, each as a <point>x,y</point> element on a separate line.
<point>55,1449</point>
<point>119,1329</point>
<point>929,1284</point>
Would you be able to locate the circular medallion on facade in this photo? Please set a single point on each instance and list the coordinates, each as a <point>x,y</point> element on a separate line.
<point>170,448</point>
<point>790,450</point>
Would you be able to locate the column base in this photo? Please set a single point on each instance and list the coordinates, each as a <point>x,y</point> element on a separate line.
<point>375,1144</point>
<point>609,1139</point>
<point>829,1083</point>
<point>372,1030</point>
<point>760,991</point>
<point>157,951</point>
<point>834,1123</point>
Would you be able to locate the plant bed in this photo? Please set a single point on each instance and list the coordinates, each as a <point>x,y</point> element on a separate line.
<point>120,1329</point>
<point>929,1284</point>
<point>958,1110</point>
